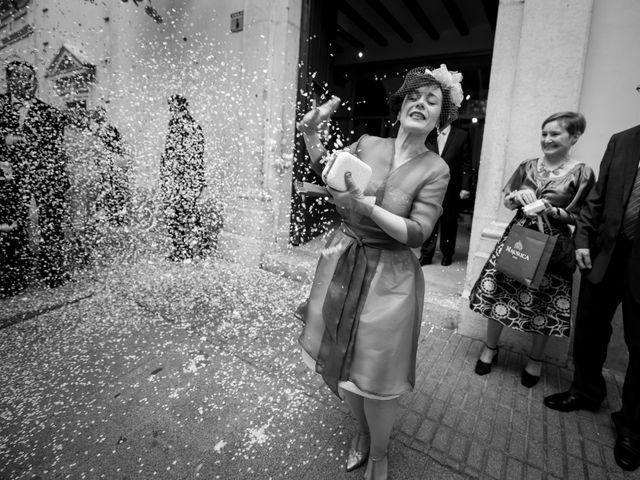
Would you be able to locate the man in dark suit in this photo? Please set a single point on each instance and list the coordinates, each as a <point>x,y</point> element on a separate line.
<point>452,144</point>
<point>607,241</point>
<point>31,136</point>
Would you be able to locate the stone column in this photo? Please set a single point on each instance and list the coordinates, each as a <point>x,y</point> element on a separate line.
<point>537,69</point>
<point>259,216</point>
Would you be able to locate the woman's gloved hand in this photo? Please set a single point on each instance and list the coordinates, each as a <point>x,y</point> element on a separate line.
<point>351,202</point>
<point>312,120</point>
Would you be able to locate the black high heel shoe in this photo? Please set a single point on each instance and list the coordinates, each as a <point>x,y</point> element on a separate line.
<point>482,368</point>
<point>527,379</point>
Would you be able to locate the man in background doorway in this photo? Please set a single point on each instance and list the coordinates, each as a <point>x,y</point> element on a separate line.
<point>452,144</point>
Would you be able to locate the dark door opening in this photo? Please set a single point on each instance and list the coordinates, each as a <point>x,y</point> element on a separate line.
<point>360,51</point>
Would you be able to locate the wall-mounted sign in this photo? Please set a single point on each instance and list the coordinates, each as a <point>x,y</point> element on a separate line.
<point>237,21</point>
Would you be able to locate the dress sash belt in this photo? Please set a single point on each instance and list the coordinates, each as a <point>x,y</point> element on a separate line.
<point>344,302</point>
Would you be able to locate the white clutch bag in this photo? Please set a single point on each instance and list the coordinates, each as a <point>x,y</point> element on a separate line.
<point>534,207</point>
<point>345,162</point>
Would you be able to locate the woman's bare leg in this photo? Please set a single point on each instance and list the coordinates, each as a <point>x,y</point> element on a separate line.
<point>534,362</point>
<point>381,415</point>
<point>355,403</point>
<point>494,329</point>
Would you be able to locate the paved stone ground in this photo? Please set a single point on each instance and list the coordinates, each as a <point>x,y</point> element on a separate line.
<point>160,370</point>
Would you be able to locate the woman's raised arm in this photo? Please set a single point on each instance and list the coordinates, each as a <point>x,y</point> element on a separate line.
<point>309,128</point>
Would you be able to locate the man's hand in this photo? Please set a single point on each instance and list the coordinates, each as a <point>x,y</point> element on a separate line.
<point>583,258</point>
<point>352,201</point>
<point>13,139</point>
<point>464,194</point>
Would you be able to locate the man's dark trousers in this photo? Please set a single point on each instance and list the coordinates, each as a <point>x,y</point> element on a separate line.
<point>596,308</point>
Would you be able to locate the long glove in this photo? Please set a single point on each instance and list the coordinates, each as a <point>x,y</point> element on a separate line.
<point>351,202</point>
<point>314,117</point>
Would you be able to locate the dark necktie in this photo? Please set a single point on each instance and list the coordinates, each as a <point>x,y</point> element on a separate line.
<point>432,143</point>
<point>632,212</point>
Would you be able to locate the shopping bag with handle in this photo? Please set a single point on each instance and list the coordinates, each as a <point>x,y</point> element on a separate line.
<point>526,253</point>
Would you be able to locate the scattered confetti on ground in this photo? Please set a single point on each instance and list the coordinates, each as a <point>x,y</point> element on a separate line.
<point>159,370</point>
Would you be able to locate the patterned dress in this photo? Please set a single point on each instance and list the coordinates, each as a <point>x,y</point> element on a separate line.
<point>363,316</point>
<point>547,309</point>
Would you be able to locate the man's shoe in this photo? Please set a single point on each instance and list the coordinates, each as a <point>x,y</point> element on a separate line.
<point>425,261</point>
<point>627,452</point>
<point>446,260</point>
<point>568,402</point>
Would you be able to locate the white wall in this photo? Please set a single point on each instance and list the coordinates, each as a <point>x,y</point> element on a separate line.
<point>609,100</point>
<point>241,88</point>
<point>192,53</point>
<point>139,63</point>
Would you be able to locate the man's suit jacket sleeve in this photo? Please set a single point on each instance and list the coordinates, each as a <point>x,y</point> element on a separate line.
<point>591,212</point>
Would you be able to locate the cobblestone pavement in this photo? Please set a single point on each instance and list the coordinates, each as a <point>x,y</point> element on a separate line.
<point>162,370</point>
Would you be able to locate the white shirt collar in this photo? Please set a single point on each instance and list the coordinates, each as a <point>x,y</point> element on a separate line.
<point>443,135</point>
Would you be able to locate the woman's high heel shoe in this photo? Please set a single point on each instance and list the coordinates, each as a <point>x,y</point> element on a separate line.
<point>356,458</point>
<point>527,379</point>
<point>377,469</point>
<point>482,368</point>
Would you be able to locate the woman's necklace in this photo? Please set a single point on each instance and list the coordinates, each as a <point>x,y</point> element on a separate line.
<point>546,172</point>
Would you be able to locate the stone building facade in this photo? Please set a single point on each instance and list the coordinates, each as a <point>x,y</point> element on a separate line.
<point>237,62</point>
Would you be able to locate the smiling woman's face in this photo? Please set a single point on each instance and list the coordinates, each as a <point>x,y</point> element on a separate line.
<point>421,109</point>
<point>555,140</point>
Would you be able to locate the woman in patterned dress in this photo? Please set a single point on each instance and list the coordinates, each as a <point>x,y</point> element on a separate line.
<point>563,183</point>
<point>363,316</point>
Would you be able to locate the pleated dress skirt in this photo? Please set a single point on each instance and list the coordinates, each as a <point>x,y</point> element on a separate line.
<point>384,353</point>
